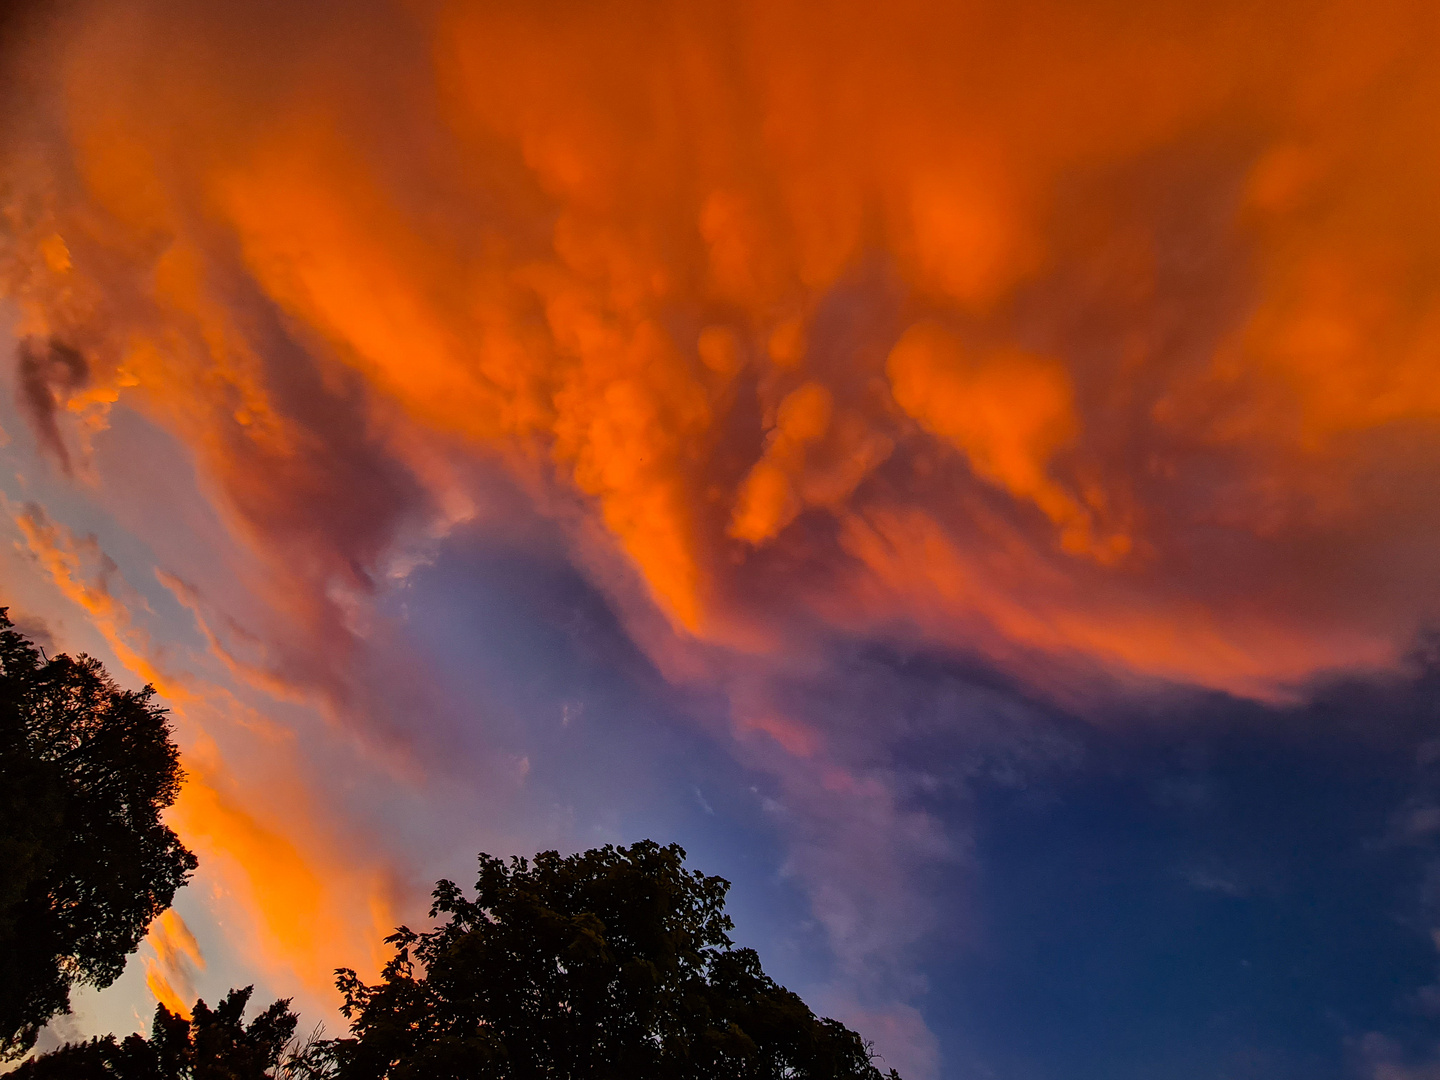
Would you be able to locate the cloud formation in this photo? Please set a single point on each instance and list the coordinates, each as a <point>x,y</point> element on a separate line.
<point>170,975</point>
<point>297,893</point>
<point>1094,343</point>
<point>1064,294</point>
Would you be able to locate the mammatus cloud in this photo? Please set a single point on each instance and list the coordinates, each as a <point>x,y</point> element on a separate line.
<point>1084,342</point>
<point>1061,335</point>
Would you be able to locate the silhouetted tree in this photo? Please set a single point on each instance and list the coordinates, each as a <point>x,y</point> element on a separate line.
<point>85,770</point>
<point>615,963</point>
<point>215,1044</point>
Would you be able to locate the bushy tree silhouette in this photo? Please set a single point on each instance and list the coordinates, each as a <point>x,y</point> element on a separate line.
<point>85,771</point>
<point>614,964</point>
<point>214,1044</point>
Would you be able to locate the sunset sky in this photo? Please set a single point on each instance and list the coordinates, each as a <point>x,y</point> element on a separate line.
<point>968,471</point>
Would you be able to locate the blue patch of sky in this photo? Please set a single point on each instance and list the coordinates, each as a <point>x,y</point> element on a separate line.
<point>1238,894</point>
<point>555,680</point>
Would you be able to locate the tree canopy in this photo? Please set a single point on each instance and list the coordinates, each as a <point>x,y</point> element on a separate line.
<point>615,963</point>
<point>214,1044</point>
<point>86,770</point>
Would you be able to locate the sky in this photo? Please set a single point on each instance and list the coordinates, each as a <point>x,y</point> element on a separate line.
<point>965,471</point>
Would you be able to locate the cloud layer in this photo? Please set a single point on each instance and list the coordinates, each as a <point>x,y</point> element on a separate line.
<point>1094,342</point>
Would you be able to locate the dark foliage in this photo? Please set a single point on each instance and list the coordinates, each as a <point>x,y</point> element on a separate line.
<point>215,1044</point>
<point>85,770</point>
<point>615,963</point>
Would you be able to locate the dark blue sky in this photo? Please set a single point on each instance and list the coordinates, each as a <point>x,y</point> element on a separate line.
<point>1192,886</point>
<point>1223,891</point>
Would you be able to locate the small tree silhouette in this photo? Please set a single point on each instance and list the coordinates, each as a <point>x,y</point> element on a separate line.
<point>214,1044</point>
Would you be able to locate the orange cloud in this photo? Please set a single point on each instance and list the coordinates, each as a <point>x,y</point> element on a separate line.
<point>306,908</point>
<point>1009,412</point>
<point>767,501</point>
<point>723,281</point>
<point>261,839</point>
<point>170,974</point>
<point>88,577</point>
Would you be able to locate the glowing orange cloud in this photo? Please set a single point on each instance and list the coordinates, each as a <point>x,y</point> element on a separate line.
<point>86,576</point>
<point>265,846</point>
<point>169,976</point>
<point>307,908</point>
<point>766,502</point>
<point>625,241</point>
<point>1008,412</point>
